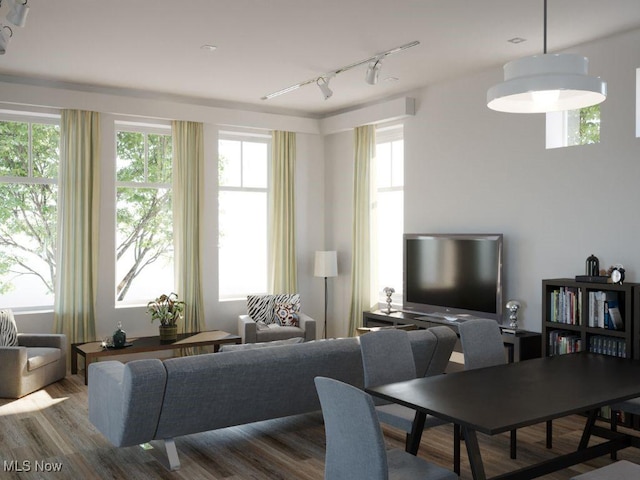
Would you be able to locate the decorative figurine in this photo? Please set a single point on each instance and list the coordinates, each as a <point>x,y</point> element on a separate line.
<point>513,306</point>
<point>389,291</point>
<point>592,267</point>
<point>119,337</point>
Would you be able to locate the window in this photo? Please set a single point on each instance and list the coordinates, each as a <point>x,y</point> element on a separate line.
<point>390,202</point>
<point>29,159</point>
<point>573,127</point>
<point>144,223</point>
<point>243,170</point>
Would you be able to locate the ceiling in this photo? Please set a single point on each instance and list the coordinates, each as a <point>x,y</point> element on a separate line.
<point>267,45</point>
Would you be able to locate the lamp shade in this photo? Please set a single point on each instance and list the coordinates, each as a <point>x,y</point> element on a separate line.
<point>326,264</point>
<point>546,83</point>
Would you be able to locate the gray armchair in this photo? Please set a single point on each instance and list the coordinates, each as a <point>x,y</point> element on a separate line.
<point>252,332</point>
<point>37,361</point>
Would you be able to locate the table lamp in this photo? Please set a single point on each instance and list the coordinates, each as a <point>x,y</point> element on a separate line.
<point>326,265</point>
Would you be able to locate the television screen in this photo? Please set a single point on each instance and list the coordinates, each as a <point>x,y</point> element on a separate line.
<point>453,276</point>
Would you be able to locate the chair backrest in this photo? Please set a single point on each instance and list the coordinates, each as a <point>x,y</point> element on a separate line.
<point>387,357</point>
<point>355,444</point>
<point>482,343</point>
<point>446,342</point>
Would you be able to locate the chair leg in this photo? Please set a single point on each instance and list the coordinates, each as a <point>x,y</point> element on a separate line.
<point>456,448</point>
<point>549,433</point>
<point>513,444</point>
<point>614,428</point>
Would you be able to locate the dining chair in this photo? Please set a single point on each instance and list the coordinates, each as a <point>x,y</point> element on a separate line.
<point>482,346</point>
<point>387,358</point>
<point>628,406</point>
<point>355,446</point>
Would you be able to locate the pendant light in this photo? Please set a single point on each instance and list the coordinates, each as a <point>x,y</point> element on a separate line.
<point>546,83</point>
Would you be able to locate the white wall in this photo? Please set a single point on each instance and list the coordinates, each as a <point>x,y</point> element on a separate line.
<point>469,169</point>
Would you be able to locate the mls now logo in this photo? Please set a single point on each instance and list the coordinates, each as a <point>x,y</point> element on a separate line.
<point>29,466</point>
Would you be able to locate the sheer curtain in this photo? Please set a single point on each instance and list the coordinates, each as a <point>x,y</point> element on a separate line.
<point>363,237</point>
<point>188,190</point>
<point>282,229</point>
<point>78,226</point>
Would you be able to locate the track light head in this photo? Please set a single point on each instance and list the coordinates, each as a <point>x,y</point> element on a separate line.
<point>323,84</point>
<point>373,71</point>
<point>5,34</point>
<point>18,13</point>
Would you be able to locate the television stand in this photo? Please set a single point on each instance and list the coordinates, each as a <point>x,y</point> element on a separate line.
<point>521,345</point>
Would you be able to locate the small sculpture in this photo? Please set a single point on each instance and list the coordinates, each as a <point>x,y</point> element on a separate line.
<point>119,337</point>
<point>513,306</point>
<point>389,291</point>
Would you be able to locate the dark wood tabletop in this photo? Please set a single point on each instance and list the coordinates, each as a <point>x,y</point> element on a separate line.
<point>499,399</point>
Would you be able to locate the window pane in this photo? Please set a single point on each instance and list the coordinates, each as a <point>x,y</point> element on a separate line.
<point>160,158</point>
<point>255,157</point>
<point>390,229</point>
<point>242,243</point>
<point>27,244</point>
<point>383,161</point>
<point>397,173</point>
<point>14,149</point>
<point>144,243</point>
<point>130,161</point>
<point>45,150</point>
<point>230,163</point>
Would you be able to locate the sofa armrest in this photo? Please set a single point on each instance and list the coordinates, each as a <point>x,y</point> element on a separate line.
<point>125,400</point>
<point>247,329</point>
<point>51,340</point>
<point>307,324</point>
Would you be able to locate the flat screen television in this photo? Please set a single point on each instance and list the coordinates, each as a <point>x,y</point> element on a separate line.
<point>453,276</point>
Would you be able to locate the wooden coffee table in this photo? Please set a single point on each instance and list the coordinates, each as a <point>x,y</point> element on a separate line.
<point>92,350</point>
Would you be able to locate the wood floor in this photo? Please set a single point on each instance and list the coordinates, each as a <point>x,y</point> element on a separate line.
<point>50,430</point>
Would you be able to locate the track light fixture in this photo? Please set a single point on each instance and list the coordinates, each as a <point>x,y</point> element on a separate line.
<point>5,34</point>
<point>323,83</point>
<point>323,80</point>
<point>546,83</point>
<point>18,13</point>
<point>372,71</point>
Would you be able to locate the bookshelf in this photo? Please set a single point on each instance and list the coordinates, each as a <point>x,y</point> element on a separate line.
<point>576,316</point>
<point>597,317</point>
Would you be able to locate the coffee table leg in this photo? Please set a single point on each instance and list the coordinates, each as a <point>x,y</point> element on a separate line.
<point>74,359</point>
<point>473,450</point>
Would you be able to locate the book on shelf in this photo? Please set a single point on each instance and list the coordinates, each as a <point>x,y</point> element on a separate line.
<point>601,306</point>
<point>566,306</point>
<point>592,278</point>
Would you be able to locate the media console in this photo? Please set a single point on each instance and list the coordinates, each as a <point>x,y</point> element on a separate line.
<point>522,345</point>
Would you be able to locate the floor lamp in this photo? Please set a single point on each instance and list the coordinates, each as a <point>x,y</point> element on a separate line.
<point>326,265</point>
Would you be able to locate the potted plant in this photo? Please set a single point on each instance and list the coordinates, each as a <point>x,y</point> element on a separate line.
<point>167,309</point>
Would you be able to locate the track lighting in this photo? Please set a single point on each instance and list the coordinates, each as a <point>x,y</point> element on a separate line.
<point>18,13</point>
<point>322,81</point>
<point>372,72</point>
<point>546,83</point>
<point>5,34</point>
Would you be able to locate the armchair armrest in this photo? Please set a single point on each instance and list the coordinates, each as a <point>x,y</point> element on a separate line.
<point>307,324</point>
<point>51,340</point>
<point>247,329</point>
<point>125,400</point>
<point>13,361</point>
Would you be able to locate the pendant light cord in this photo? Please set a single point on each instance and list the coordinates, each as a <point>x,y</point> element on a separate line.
<point>544,46</point>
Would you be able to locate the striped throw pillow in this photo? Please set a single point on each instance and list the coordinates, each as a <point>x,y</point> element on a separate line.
<point>8,329</point>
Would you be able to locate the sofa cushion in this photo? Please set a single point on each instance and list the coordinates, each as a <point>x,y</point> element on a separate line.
<point>261,307</point>
<point>277,332</point>
<point>40,356</point>
<point>250,346</point>
<point>286,314</point>
<point>8,329</point>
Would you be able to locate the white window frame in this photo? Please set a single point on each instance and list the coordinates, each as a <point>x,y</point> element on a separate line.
<point>46,117</point>
<point>387,134</point>
<point>245,135</point>
<point>144,127</point>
